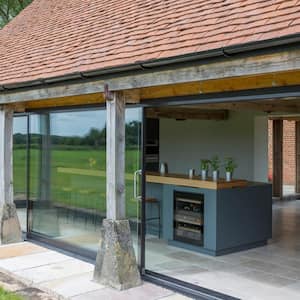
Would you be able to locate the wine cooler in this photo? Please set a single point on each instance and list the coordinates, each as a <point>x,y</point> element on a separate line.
<point>188,217</point>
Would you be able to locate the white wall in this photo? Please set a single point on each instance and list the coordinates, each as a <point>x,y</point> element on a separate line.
<point>261,148</point>
<point>184,143</point>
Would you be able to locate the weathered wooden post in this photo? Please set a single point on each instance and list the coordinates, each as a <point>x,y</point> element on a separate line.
<point>10,230</point>
<point>116,263</point>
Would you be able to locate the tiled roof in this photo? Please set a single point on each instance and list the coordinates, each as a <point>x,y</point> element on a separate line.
<point>57,37</point>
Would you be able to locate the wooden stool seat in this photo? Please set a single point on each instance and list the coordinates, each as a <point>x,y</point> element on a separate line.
<point>151,200</point>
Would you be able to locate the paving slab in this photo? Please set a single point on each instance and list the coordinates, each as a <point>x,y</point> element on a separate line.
<point>175,297</point>
<point>38,273</point>
<point>9,283</point>
<point>56,270</point>
<point>73,285</point>
<point>146,291</point>
<point>14,250</point>
<point>32,260</point>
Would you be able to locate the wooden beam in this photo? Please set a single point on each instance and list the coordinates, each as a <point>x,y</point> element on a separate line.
<point>181,89</point>
<point>132,96</point>
<point>287,118</point>
<point>277,158</point>
<point>253,66</point>
<point>115,157</point>
<point>186,113</point>
<point>6,148</point>
<point>263,106</point>
<point>87,99</point>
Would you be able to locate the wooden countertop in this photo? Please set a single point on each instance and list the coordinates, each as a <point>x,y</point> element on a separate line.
<point>196,181</point>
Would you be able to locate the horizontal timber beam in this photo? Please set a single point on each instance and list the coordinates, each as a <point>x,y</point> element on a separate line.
<point>273,63</point>
<point>186,113</point>
<point>262,106</point>
<point>97,98</point>
<point>286,118</point>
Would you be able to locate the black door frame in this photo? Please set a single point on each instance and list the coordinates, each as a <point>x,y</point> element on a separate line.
<point>274,93</point>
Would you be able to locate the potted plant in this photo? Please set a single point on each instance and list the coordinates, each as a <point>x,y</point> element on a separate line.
<point>230,166</point>
<point>204,168</point>
<point>215,165</point>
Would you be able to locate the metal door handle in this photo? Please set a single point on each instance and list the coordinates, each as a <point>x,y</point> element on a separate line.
<point>135,184</point>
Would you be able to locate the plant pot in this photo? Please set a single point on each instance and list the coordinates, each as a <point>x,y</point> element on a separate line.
<point>203,174</point>
<point>215,175</point>
<point>228,176</point>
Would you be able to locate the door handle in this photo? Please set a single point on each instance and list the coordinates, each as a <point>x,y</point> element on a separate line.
<point>135,184</point>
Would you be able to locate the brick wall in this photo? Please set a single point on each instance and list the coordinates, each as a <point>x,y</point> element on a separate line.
<point>289,147</point>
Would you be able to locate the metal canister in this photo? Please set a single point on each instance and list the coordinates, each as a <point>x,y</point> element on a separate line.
<point>191,173</point>
<point>163,168</point>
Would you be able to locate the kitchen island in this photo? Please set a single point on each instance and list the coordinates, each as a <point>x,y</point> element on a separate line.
<point>211,217</point>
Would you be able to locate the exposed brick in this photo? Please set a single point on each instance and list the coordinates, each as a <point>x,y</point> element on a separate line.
<point>289,152</point>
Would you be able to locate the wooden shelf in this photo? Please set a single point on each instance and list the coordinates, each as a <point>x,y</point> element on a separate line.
<point>196,181</point>
<point>188,200</point>
<point>189,229</point>
<point>182,220</point>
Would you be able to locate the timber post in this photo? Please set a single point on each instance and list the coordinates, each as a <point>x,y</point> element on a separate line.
<point>116,264</point>
<point>278,158</point>
<point>10,230</point>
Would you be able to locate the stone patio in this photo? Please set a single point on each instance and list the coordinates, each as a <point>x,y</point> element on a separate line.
<point>49,274</point>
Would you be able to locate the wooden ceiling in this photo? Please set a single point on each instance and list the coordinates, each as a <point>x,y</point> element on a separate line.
<point>287,109</point>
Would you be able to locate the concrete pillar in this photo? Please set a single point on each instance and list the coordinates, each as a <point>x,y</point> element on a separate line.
<point>116,263</point>
<point>10,229</point>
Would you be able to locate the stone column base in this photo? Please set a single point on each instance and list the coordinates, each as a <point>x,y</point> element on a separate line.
<point>10,229</point>
<point>116,263</point>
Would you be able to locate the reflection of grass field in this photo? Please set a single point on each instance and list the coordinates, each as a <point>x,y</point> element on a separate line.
<point>77,177</point>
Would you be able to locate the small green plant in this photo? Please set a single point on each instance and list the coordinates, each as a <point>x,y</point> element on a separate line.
<point>215,163</point>
<point>230,164</point>
<point>205,164</point>
<point>5,295</point>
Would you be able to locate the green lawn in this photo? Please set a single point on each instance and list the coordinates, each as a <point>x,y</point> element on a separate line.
<point>77,177</point>
<point>4,295</point>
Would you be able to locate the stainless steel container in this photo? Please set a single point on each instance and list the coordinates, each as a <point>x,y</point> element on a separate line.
<point>191,173</point>
<point>163,168</point>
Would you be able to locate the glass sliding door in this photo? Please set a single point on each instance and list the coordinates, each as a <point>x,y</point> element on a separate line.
<point>20,159</point>
<point>68,175</point>
<point>133,166</point>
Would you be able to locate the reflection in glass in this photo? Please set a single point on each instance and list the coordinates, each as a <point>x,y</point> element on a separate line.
<point>68,174</point>
<point>19,167</point>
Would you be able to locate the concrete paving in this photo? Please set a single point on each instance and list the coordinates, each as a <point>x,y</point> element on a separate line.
<point>49,274</point>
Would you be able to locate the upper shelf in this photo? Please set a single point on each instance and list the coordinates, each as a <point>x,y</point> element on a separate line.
<point>184,180</point>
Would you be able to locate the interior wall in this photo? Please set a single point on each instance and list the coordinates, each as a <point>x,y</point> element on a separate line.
<point>184,143</point>
<point>261,163</point>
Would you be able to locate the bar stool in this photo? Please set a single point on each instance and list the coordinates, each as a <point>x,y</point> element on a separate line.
<point>154,201</point>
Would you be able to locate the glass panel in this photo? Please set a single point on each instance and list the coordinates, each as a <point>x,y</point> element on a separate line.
<point>69,200</point>
<point>19,167</point>
<point>68,174</point>
<point>132,167</point>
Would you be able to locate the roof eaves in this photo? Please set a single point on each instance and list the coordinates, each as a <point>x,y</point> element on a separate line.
<point>142,65</point>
